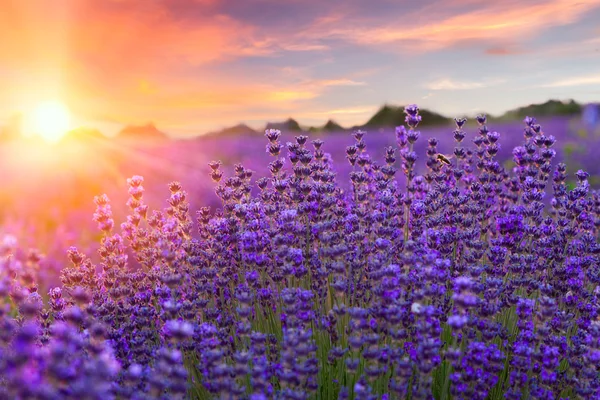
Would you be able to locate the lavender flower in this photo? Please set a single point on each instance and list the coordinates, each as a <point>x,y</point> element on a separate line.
<point>472,281</point>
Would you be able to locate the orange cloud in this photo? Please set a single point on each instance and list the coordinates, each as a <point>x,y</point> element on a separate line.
<point>292,95</point>
<point>146,87</point>
<point>116,57</point>
<point>193,104</point>
<point>178,96</point>
<point>123,60</point>
<point>149,38</point>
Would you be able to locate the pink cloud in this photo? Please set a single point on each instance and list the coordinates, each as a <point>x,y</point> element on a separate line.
<point>502,51</point>
<point>444,26</point>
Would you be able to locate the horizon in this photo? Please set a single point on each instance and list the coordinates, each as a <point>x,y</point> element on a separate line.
<point>304,127</point>
<point>206,65</point>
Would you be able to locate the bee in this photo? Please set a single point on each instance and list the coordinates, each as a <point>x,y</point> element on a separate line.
<point>444,159</point>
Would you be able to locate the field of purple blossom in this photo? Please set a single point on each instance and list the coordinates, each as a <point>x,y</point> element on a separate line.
<point>443,264</point>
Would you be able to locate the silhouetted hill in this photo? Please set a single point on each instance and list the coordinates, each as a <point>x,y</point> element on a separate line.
<point>147,132</point>
<point>389,116</point>
<point>289,125</point>
<point>332,126</point>
<point>549,108</point>
<point>239,129</point>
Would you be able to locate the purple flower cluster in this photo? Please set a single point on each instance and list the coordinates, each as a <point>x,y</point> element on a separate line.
<point>475,280</point>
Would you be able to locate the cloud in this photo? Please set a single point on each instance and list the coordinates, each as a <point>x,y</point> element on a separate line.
<point>445,26</point>
<point>202,103</point>
<point>502,51</point>
<point>346,116</point>
<point>113,34</point>
<point>292,95</point>
<point>96,53</point>
<point>194,62</point>
<point>349,110</point>
<point>305,47</point>
<point>341,82</point>
<point>572,49</point>
<point>114,39</point>
<point>582,80</point>
<point>449,84</point>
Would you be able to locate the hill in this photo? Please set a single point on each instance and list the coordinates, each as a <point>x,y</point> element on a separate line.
<point>386,117</point>
<point>332,126</point>
<point>239,129</point>
<point>389,116</point>
<point>547,109</point>
<point>147,132</point>
<point>289,125</point>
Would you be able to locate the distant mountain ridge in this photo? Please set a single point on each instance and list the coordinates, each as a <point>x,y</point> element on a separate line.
<point>239,129</point>
<point>147,132</point>
<point>332,126</point>
<point>549,108</point>
<point>289,125</point>
<point>387,116</point>
<point>390,116</point>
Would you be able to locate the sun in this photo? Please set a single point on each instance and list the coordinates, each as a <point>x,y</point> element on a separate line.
<point>50,119</point>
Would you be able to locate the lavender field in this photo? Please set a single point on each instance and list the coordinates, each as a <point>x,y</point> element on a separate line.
<point>447,263</point>
<point>49,189</point>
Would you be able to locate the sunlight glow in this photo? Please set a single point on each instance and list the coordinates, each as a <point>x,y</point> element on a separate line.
<point>51,120</point>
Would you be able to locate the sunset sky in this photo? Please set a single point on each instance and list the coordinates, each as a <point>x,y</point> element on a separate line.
<point>195,66</point>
